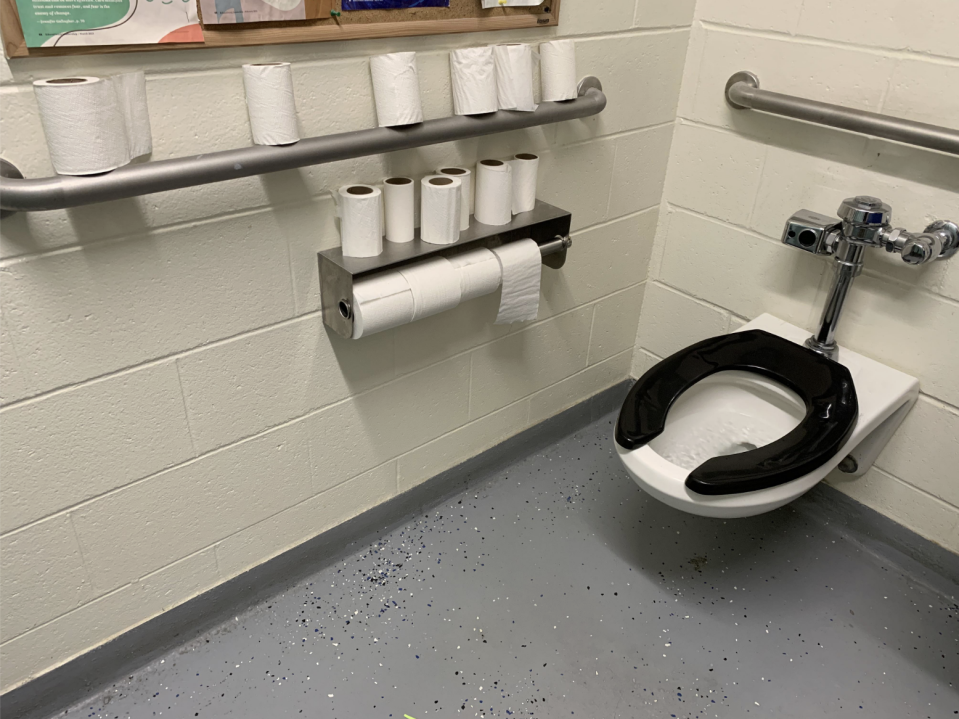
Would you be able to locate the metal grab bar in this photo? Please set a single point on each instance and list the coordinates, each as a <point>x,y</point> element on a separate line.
<point>62,191</point>
<point>743,93</point>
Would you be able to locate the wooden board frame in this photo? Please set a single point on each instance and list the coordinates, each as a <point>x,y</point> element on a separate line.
<point>359,25</point>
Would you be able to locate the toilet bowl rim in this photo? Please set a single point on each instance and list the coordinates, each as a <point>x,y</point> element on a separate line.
<point>826,388</point>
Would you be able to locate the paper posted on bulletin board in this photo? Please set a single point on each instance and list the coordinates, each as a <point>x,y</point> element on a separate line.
<point>61,23</point>
<point>391,4</point>
<point>232,12</point>
<point>487,4</point>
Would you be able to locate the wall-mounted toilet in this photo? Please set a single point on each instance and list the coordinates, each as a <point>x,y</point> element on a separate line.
<point>744,423</point>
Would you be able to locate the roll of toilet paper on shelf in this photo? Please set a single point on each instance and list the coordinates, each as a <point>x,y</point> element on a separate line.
<point>270,102</point>
<point>435,286</point>
<point>521,264</point>
<point>514,77</point>
<point>361,231</point>
<point>396,89</point>
<point>557,68</point>
<point>131,90</point>
<point>399,203</point>
<point>525,172</point>
<point>84,124</point>
<point>441,197</point>
<point>465,177</point>
<point>494,192</point>
<point>380,303</point>
<point>479,272</point>
<point>473,70</point>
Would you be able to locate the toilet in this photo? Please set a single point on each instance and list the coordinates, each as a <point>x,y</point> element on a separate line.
<point>741,424</point>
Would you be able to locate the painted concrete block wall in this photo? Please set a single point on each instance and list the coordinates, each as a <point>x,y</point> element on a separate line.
<point>174,411</point>
<point>735,177</point>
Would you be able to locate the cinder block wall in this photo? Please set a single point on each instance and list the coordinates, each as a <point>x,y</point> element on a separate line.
<point>174,411</point>
<point>735,177</point>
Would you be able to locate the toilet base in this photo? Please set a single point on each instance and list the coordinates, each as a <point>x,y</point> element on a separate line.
<point>744,406</point>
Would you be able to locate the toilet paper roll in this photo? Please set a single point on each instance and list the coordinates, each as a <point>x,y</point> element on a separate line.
<point>398,198</point>
<point>380,303</point>
<point>361,231</point>
<point>270,102</point>
<point>558,70</point>
<point>440,209</point>
<point>479,272</point>
<point>396,89</point>
<point>435,286</point>
<point>131,90</point>
<point>521,264</point>
<point>514,77</point>
<point>525,172</point>
<point>84,125</point>
<point>494,192</point>
<point>473,70</point>
<point>466,192</point>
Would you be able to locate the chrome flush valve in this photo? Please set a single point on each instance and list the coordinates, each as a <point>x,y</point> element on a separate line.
<point>863,222</point>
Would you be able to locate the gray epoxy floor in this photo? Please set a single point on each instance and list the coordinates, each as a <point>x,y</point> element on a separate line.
<point>559,589</point>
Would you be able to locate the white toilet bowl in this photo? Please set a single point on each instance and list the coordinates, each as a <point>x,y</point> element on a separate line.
<point>735,411</point>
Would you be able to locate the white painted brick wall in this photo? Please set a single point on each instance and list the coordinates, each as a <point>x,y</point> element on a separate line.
<point>174,411</point>
<point>734,177</point>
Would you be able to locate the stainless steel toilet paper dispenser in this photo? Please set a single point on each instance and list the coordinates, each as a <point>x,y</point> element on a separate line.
<point>548,226</point>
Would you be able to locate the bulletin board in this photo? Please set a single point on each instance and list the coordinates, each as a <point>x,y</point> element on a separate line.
<point>462,16</point>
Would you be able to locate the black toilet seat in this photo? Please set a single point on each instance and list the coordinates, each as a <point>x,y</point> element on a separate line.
<point>826,388</point>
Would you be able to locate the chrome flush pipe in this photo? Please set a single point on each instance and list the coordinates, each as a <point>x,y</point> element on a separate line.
<point>848,267</point>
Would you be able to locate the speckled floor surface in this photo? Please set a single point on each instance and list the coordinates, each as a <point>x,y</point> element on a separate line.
<point>559,589</point>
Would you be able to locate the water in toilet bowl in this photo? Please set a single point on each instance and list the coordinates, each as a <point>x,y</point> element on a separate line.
<point>753,412</point>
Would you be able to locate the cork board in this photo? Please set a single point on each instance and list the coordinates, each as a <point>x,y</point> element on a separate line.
<point>461,17</point>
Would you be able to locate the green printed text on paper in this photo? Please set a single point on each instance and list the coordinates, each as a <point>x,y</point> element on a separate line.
<point>45,19</point>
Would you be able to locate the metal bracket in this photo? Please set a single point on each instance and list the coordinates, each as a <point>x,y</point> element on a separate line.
<point>745,77</point>
<point>548,226</point>
<point>950,231</point>
<point>590,82</point>
<point>8,169</point>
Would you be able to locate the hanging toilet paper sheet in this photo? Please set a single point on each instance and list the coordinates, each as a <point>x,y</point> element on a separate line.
<point>396,89</point>
<point>479,272</point>
<point>270,102</point>
<point>514,77</point>
<point>435,286</point>
<point>380,303</point>
<point>558,70</point>
<point>86,122</point>
<point>473,70</point>
<point>521,264</point>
